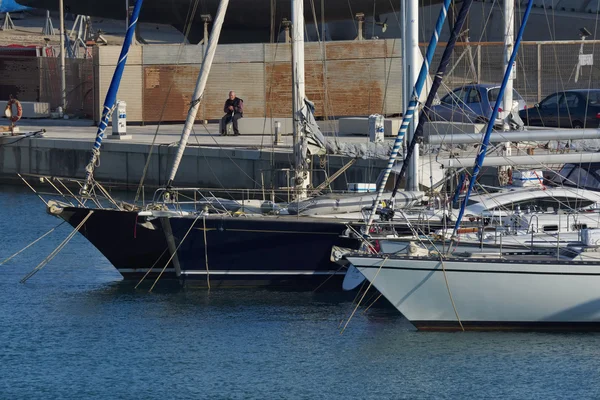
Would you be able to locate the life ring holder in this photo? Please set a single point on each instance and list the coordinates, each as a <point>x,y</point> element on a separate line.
<point>8,110</point>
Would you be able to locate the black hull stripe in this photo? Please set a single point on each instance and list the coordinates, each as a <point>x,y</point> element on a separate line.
<point>571,326</point>
<point>470,271</point>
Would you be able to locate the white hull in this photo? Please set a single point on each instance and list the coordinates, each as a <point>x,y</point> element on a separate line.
<point>348,203</point>
<point>488,294</point>
<point>471,243</point>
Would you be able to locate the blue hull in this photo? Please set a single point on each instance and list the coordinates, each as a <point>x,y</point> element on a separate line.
<point>286,252</point>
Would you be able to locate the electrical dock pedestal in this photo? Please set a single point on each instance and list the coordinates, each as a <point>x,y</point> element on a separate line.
<point>119,122</point>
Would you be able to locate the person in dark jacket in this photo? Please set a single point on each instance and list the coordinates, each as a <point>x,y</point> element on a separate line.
<point>234,110</point>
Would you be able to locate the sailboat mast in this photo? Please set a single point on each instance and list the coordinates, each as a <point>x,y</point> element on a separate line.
<point>437,81</point>
<point>301,175</point>
<point>111,97</point>
<point>509,38</point>
<point>486,138</point>
<point>411,41</point>
<point>200,86</point>
<point>63,77</point>
<point>412,105</point>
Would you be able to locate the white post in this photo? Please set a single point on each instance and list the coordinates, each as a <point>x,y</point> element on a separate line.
<point>412,65</point>
<point>302,176</point>
<point>509,39</point>
<point>200,85</point>
<point>63,77</point>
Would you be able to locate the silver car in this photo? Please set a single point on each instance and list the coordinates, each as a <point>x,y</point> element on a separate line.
<point>471,103</point>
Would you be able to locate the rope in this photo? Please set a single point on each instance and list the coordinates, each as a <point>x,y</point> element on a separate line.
<point>450,294</point>
<point>187,27</point>
<point>151,268</point>
<point>57,250</point>
<point>31,244</point>
<point>374,301</point>
<point>363,296</point>
<point>206,253</point>
<point>358,293</point>
<point>328,278</point>
<point>174,253</point>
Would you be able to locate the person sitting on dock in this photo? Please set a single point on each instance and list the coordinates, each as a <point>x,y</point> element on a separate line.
<point>234,110</point>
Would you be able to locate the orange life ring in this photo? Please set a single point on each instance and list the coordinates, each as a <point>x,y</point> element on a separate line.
<point>8,110</point>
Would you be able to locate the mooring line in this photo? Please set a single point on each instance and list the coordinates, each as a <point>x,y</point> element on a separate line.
<point>371,305</point>
<point>363,296</point>
<point>174,253</point>
<point>31,244</point>
<point>358,293</point>
<point>206,253</point>
<point>450,294</point>
<point>58,249</point>
<point>151,268</point>
<point>328,278</point>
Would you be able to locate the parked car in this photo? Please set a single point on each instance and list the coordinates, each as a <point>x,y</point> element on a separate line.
<point>568,109</point>
<point>471,103</point>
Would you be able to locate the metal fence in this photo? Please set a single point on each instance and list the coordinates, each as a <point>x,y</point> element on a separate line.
<point>343,78</point>
<point>38,79</point>
<point>542,67</point>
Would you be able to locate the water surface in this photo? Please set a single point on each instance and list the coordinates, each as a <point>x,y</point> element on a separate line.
<point>77,331</point>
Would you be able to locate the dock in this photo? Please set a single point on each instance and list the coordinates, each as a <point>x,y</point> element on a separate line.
<point>210,160</point>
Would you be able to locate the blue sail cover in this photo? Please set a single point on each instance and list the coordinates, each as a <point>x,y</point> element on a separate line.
<point>11,6</point>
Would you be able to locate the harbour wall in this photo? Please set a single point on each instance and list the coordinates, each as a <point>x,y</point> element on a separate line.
<point>122,165</point>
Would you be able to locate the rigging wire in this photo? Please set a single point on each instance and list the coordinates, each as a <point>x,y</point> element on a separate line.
<point>365,293</point>
<point>32,243</point>
<point>192,8</point>
<point>175,252</point>
<point>57,250</point>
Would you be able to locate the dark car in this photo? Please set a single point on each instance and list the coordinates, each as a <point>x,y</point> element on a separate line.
<point>568,109</point>
<point>471,103</point>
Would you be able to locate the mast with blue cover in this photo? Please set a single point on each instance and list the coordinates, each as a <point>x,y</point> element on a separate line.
<point>486,139</point>
<point>111,98</point>
<point>412,105</point>
<point>437,81</point>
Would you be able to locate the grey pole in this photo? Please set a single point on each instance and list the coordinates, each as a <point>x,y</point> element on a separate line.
<point>532,135</point>
<point>63,77</point>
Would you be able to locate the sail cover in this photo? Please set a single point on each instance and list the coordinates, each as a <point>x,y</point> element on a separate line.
<point>313,141</point>
<point>368,150</point>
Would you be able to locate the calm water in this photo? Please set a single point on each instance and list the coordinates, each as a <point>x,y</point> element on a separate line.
<point>76,331</point>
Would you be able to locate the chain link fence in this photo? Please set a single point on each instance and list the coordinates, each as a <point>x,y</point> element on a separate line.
<point>542,68</point>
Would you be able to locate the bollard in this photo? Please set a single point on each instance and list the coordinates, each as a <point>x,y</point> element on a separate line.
<point>277,133</point>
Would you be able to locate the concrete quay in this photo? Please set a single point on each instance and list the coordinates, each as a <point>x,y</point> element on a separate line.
<point>210,161</point>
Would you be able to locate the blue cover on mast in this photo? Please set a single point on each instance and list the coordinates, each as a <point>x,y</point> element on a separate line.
<point>412,105</point>
<point>111,95</point>
<point>486,139</point>
<point>437,81</point>
<point>11,6</point>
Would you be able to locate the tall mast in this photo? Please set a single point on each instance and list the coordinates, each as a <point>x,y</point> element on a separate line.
<point>63,77</point>
<point>200,86</point>
<point>411,41</point>
<point>437,81</point>
<point>301,175</point>
<point>412,105</point>
<point>111,96</point>
<point>509,38</point>
<point>486,138</point>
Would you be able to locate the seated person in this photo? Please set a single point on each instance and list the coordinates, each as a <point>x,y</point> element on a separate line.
<point>234,110</point>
